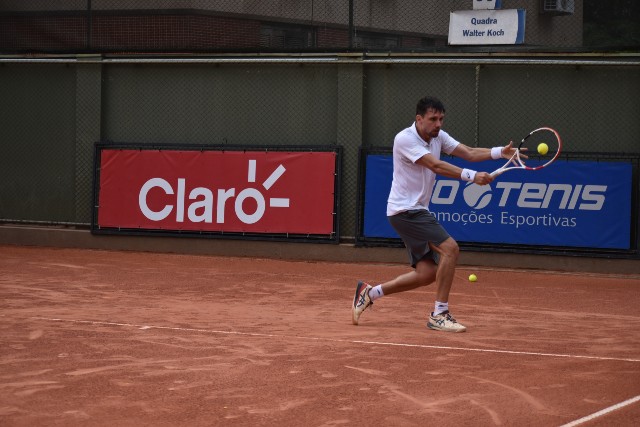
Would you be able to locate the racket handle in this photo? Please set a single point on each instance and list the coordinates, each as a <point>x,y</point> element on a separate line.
<point>496,173</point>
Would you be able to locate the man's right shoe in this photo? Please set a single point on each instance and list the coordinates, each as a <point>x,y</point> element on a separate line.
<point>444,322</point>
<point>360,301</point>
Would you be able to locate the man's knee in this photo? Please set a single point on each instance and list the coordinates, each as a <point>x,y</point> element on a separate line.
<point>449,248</point>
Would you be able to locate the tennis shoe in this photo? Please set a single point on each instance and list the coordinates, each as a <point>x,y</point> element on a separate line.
<point>444,322</point>
<point>360,301</point>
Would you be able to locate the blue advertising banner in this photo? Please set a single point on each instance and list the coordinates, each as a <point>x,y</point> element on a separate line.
<point>573,203</point>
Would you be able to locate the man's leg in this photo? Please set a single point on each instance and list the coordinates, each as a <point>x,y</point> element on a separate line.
<point>414,227</point>
<point>424,274</point>
<point>446,270</point>
<point>441,319</point>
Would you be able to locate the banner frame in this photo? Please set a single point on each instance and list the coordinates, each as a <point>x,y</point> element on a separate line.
<point>632,253</point>
<point>332,238</point>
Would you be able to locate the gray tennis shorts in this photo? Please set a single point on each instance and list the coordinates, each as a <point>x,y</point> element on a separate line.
<point>417,228</point>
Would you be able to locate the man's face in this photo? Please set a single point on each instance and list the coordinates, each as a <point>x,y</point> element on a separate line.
<point>430,124</point>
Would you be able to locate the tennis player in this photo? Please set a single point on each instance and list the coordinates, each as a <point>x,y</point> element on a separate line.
<point>433,254</point>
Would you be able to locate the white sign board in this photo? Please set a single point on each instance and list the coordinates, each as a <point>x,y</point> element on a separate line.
<point>486,4</point>
<point>477,27</point>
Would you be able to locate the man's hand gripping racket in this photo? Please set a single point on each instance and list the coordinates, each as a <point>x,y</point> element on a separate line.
<point>545,141</point>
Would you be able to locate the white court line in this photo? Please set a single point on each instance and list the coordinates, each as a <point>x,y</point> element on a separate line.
<point>603,412</point>
<point>381,343</point>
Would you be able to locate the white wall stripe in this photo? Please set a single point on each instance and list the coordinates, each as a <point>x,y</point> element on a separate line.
<point>275,202</point>
<point>274,177</point>
<point>252,171</point>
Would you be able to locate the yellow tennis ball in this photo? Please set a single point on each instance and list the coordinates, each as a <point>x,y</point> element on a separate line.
<point>473,278</point>
<point>543,148</point>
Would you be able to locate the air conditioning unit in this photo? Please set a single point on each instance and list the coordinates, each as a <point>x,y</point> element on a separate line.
<point>558,7</point>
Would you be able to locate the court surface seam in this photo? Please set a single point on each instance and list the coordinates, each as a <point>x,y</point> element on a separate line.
<point>298,337</point>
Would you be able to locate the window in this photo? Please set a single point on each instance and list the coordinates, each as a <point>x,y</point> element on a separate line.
<point>364,40</point>
<point>284,37</point>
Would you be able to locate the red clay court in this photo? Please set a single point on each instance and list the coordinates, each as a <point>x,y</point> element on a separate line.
<point>105,338</point>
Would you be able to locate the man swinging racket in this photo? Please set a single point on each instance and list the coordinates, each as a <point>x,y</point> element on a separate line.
<point>432,252</point>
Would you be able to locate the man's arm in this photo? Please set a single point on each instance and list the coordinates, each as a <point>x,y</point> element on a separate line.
<point>443,168</point>
<point>478,154</point>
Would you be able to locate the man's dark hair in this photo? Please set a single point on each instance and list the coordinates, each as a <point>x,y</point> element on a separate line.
<point>427,103</point>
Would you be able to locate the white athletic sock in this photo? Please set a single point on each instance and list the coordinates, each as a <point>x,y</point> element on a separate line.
<point>440,307</point>
<point>376,292</point>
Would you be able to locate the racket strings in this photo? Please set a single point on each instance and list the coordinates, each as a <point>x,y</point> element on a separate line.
<point>533,142</point>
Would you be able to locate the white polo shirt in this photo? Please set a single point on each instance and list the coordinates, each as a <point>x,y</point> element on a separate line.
<point>412,184</point>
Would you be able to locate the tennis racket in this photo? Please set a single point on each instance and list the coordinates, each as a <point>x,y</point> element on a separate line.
<point>530,144</point>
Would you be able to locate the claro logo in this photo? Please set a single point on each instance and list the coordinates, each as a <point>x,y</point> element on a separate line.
<point>527,195</point>
<point>201,205</point>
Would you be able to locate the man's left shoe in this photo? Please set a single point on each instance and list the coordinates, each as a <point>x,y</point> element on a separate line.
<point>444,322</point>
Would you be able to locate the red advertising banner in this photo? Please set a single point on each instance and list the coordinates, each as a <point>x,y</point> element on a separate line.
<point>217,191</point>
